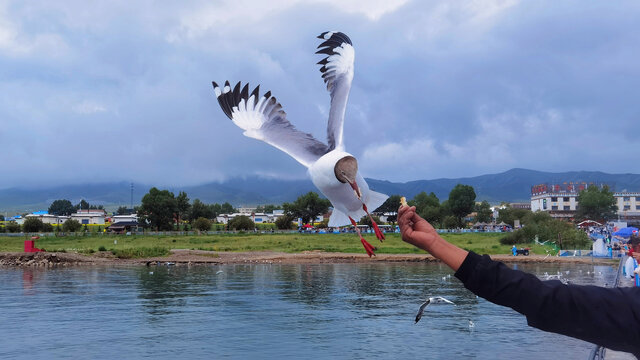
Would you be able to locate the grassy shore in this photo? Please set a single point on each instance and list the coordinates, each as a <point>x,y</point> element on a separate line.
<point>139,246</point>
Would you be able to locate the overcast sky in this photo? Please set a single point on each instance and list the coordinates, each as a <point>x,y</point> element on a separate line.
<point>121,90</point>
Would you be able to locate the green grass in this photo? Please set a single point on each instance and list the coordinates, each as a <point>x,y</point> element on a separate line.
<point>150,246</point>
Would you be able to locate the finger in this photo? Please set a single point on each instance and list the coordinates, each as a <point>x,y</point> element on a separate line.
<point>406,215</point>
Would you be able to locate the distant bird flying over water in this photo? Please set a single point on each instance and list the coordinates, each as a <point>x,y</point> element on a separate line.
<point>333,171</point>
<point>431,300</point>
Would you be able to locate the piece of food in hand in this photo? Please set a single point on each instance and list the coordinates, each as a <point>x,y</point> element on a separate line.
<point>403,201</point>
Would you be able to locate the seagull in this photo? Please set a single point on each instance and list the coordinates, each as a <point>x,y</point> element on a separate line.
<point>332,170</point>
<point>431,300</point>
<point>471,324</point>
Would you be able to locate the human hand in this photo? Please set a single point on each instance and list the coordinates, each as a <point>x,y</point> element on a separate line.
<point>416,230</point>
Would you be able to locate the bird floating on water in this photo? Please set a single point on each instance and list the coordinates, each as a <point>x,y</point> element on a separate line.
<point>431,300</point>
<point>471,324</point>
<point>333,171</point>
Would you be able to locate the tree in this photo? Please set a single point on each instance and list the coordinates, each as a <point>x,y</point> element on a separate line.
<point>365,220</point>
<point>200,209</point>
<point>32,224</point>
<point>158,208</point>
<point>285,222</point>
<point>428,207</point>
<point>307,207</point>
<point>216,209</point>
<point>450,222</point>
<point>241,223</point>
<point>61,208</point>
<point>483,211</point>
<point>508,215</point>
<point>123,210</point>
<point>596,204</point>
<point>202,224</point>
<point>182,206</point>
<point>1,217</point>
<point>227,208</point>
<point>71,225</point>
<point>391,206</point>
<point>462,200</point>
<point>83,205</point>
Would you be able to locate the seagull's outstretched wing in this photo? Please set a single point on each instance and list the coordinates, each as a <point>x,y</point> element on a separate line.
<point>262,118</point>
<point>421,310</point>
<point>440,299</point>
<point>337,72</point>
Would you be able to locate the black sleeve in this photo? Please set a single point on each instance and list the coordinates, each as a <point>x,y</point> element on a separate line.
<point>605,316</point>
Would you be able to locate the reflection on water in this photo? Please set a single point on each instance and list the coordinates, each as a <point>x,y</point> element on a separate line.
<point>263,311</point>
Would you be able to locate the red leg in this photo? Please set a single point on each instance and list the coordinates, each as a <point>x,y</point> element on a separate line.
<point>367,247</point>
<point>376,229</point>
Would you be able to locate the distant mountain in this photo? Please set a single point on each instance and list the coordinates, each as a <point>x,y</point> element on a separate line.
<point>513,186</point>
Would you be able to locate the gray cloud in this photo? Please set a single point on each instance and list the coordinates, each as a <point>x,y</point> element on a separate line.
<point>121,90</point>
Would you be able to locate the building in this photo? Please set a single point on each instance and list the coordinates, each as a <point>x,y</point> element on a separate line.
<point>526,206</point>
<point>47,218</point>
<point>559,200</point>
<point>89,217</point>
<point>257,218</point>
<point>628,206</point>
<point>124,218</point>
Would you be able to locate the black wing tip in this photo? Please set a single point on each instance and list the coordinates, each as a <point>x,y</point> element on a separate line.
<point>232,97</point>
<point>336,36</point>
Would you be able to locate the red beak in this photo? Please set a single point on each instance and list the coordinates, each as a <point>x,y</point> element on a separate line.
<point>355,188</point>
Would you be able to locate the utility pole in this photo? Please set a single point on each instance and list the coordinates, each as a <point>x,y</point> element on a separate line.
<point>132,198</point>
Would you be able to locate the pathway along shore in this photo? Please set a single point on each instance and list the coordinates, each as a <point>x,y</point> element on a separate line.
<point>193,257</point>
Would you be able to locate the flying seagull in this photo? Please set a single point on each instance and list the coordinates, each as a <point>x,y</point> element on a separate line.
<point>333,170</point>
<point>431,300</point>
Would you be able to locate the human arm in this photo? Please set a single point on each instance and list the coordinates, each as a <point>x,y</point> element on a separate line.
<point>606,316</point>
<point>418,232</point>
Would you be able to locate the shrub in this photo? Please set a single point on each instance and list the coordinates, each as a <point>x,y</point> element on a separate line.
<point>12,227</point>
<point>284,222</point>
<point>32,224</point>
<point>548,229</point>
<point>365,220</point>
<point>241,223</point>
<point>47,227</point>
<point>450,222</point>
<point>71,225</point>
<point>202,224</point>
<point>102,248</point>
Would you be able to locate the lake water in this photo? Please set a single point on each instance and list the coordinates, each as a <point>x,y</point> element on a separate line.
<point>332,311</point>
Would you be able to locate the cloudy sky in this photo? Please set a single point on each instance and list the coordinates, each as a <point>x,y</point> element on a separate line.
<point>121,90</point>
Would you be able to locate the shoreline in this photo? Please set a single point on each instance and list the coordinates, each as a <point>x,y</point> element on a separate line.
<point>202,257</point>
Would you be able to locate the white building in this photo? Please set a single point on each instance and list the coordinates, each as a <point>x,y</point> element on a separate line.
<point>561,201</point>
<point>257,218</point>
<point>628,204</point>
<point>89,217</point>
<point>48,218</point>
<point>124,218</point>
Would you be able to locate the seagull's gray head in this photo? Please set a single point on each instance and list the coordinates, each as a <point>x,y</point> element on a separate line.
<point>346,170</point>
